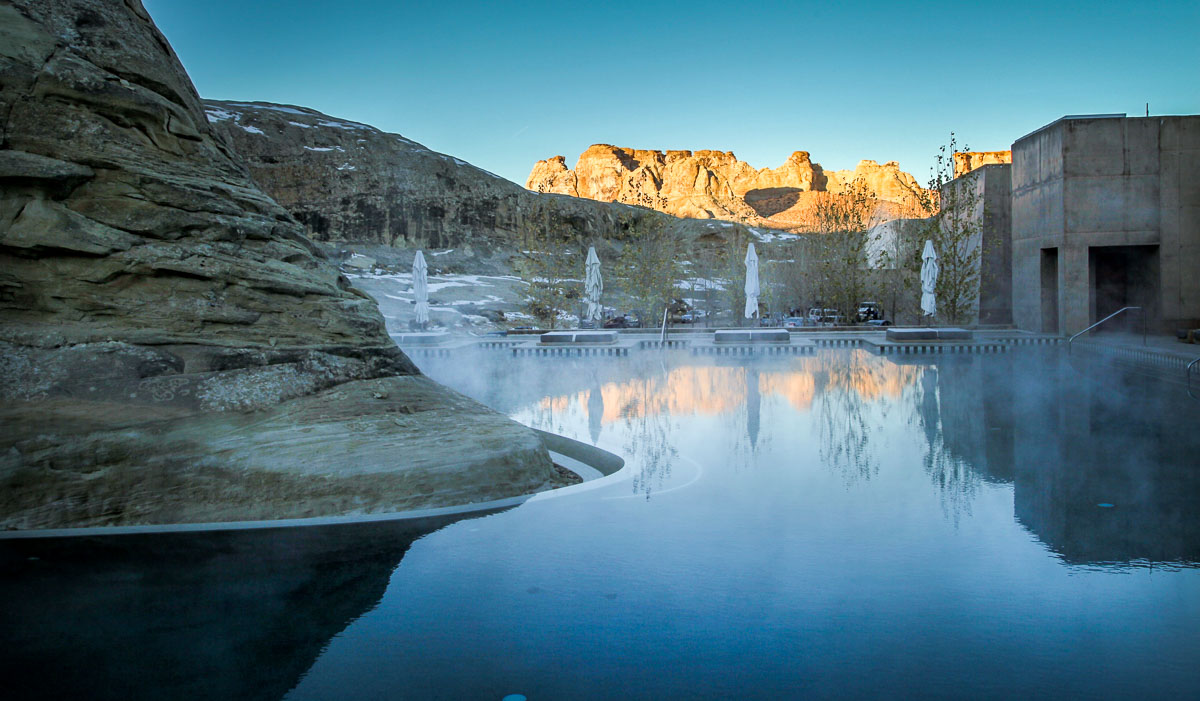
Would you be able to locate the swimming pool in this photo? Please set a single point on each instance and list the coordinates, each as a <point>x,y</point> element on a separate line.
<point>835,525</point>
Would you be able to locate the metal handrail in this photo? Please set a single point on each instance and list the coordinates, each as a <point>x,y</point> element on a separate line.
<point>1189,377</point>
<point>1119,311</point>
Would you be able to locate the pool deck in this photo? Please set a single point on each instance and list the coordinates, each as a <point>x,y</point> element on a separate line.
<point>1161,355</point>
<point>731,342</point>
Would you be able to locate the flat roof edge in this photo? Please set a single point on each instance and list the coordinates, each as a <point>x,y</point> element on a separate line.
<point>1066,117</point>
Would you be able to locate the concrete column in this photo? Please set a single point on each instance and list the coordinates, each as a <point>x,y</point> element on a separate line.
<point>1074,309</point>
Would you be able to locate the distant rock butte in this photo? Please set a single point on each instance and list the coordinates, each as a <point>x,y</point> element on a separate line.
<point>716,185</point>
<point>967,161</point>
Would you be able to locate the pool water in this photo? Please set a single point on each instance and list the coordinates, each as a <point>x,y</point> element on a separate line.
<point>829,526</point>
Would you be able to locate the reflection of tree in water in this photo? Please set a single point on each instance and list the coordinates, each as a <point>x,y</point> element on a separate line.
<point>957,481</point>
<point>753,406</point>
<point>649,435</point>
<point>845,429</point>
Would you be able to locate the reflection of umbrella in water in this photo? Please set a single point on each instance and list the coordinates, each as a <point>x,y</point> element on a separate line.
<point>751,282</point>
<point>929,274</point>
<point>753,405</point>
<point>928,408</point>
<point>421,288</point>
<point>593,284</point>
<point>595,412</point>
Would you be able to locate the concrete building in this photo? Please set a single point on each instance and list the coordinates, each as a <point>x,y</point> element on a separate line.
<point>987,191</point>
<point>1106,214</point>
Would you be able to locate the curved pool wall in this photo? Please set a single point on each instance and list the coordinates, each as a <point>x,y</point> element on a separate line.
<point>588,460</point>
<point>840,524</point>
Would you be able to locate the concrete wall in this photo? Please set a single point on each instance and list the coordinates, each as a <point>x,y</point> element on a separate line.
<point>995,210</point>
<point>989,188</point>
<point>1104,181</point>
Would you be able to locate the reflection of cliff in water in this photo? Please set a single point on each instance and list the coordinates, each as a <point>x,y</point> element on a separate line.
<point>701,387</point>
<point>235,615</point>
<point>1069,442</point>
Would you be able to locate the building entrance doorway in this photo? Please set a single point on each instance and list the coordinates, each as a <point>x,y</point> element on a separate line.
<point>1123,276</point>
<point>1050,290</point>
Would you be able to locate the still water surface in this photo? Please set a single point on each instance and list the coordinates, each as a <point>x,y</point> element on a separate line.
<point>830,526</point>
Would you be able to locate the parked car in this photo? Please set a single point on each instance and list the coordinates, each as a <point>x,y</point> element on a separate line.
<point>868,311</point>
<point>879,322</point>
<point>617,322</point>
<point>823,317</point>
<point>793,322</point>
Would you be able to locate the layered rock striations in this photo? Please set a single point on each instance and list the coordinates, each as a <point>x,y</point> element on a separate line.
<point>716,185</point>
<point>175,348</point>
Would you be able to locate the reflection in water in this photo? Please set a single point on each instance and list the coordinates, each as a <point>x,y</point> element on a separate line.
<point>893,515</point>
<point>1069,442</point>
<point>1113,479</point>
<point>845,383</point>
<point>595,410</point>
<point>715,390</point>
<point>950,469</point>
<point>650,436</point>
<point>753,406</point>
<point>1064,441</point>
<point>233,615</point>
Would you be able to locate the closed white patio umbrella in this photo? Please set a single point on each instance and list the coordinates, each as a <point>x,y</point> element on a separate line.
<point>929,274</point>
<point>593,284</point>
<point>752,289</point>
<point>421,288</point>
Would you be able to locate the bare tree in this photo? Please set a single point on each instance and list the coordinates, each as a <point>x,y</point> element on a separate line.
<point>650,265</point>
<point>955,225</point>
<point>547,260</point>
<point>841,242</point>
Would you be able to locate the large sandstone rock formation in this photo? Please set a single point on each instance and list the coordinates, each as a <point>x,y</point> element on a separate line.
<point>967,161</point>
<point>716,185</point>
<point>174,346</point>
<point>352,183</point>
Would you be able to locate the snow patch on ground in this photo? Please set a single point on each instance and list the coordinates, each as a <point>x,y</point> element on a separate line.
<point>301,125</point>
<point>350,126</point>
<point>769,236</point>
<point>324,148</point>
<point>273,108</point>
<point>252,130</point>
<point>700,283</point>
<point>218,115</point>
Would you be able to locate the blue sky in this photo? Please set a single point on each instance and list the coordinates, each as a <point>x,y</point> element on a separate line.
<point>504,84</point>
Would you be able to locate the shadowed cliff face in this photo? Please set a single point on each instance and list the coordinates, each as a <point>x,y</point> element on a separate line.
<point>234,615</point>
<point>350,182</point>
<point>716,185</point>
<point>147,285</point>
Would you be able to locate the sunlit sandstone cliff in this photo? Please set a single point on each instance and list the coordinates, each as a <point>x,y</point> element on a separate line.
<point>172,346</point>
<point>967,161</point>
<point>716,185</point>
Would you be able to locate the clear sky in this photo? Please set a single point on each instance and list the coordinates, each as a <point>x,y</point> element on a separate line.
<point>503,84</point>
